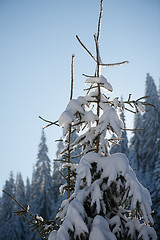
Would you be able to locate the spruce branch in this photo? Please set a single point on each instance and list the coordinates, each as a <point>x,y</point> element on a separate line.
<point>35,222</point>
<point>24,210</point>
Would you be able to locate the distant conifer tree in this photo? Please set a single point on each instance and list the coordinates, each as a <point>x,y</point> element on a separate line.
<point>8,227</point>
<point>42,182</point>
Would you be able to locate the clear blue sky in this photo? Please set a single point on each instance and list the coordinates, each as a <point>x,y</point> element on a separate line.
<point>37,39</point>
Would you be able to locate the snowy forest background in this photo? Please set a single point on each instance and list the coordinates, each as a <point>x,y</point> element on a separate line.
<point>42,192</point>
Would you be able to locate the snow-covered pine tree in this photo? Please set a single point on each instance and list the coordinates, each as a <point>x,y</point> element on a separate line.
<point>28,191</point>
<point>41,198</point>
<point>156,195</point>
<point>1,220</point>
<point>159,89</point>
<point>151,148</point>
<point>32,204</point>
<point>151,133</point>
<point>20,197</point>
<point>121,146</point>
<point>8,226</point>
<point>146,146</point>
<point>108,201</point>
<point>135,150</point>
<point>29,234</point>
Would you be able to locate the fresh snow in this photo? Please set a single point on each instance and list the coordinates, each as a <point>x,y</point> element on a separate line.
<point>74,221</point>
<point>101,80</point>
<point>112,167</point>
<point>140,107</point>
<point>110,119</point>
<point>115,102</point>
<point>100,230</point>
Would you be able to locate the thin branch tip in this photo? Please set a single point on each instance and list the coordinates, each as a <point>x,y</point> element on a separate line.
<point>86,48</point>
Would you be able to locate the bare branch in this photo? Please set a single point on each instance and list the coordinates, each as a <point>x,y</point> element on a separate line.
<point>98,86</point>
<point>70,133</point>
<point>78,123</point>
<point>60,160</point>
<point>97,53</point>
<point>50,122</point>
<point>142,98</point>
<point>134,129</point>
<point>113,64</point>
<point>101,64</point>
<point>99,21</point>
<point>24,209</point>
<point>90,76</point>
<point>86,48</point>
<point>79,155</point>
<point>63,176</point>
<point>59,140</point>
<point>129,97</point>
<point>72,75</point>
<point>130,110</point>
<point>91,87</point>
<point>110,140</point>
<point>148,104</point>
<point>92,150</point>
<point>85,126</point>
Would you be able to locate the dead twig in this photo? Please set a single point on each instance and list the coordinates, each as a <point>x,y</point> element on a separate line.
<point>89,76</point>
<point>50,122</point>
<point>86,48</point>
<point>23,208</point>
<point>113,64</point>
<point>79,155</point>
<point>99,21</point>
<point>134,129</point>
<point>72,75</point>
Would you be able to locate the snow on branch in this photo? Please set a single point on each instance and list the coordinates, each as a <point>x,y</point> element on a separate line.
<point>113,168</point>
<point>102,81</point>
